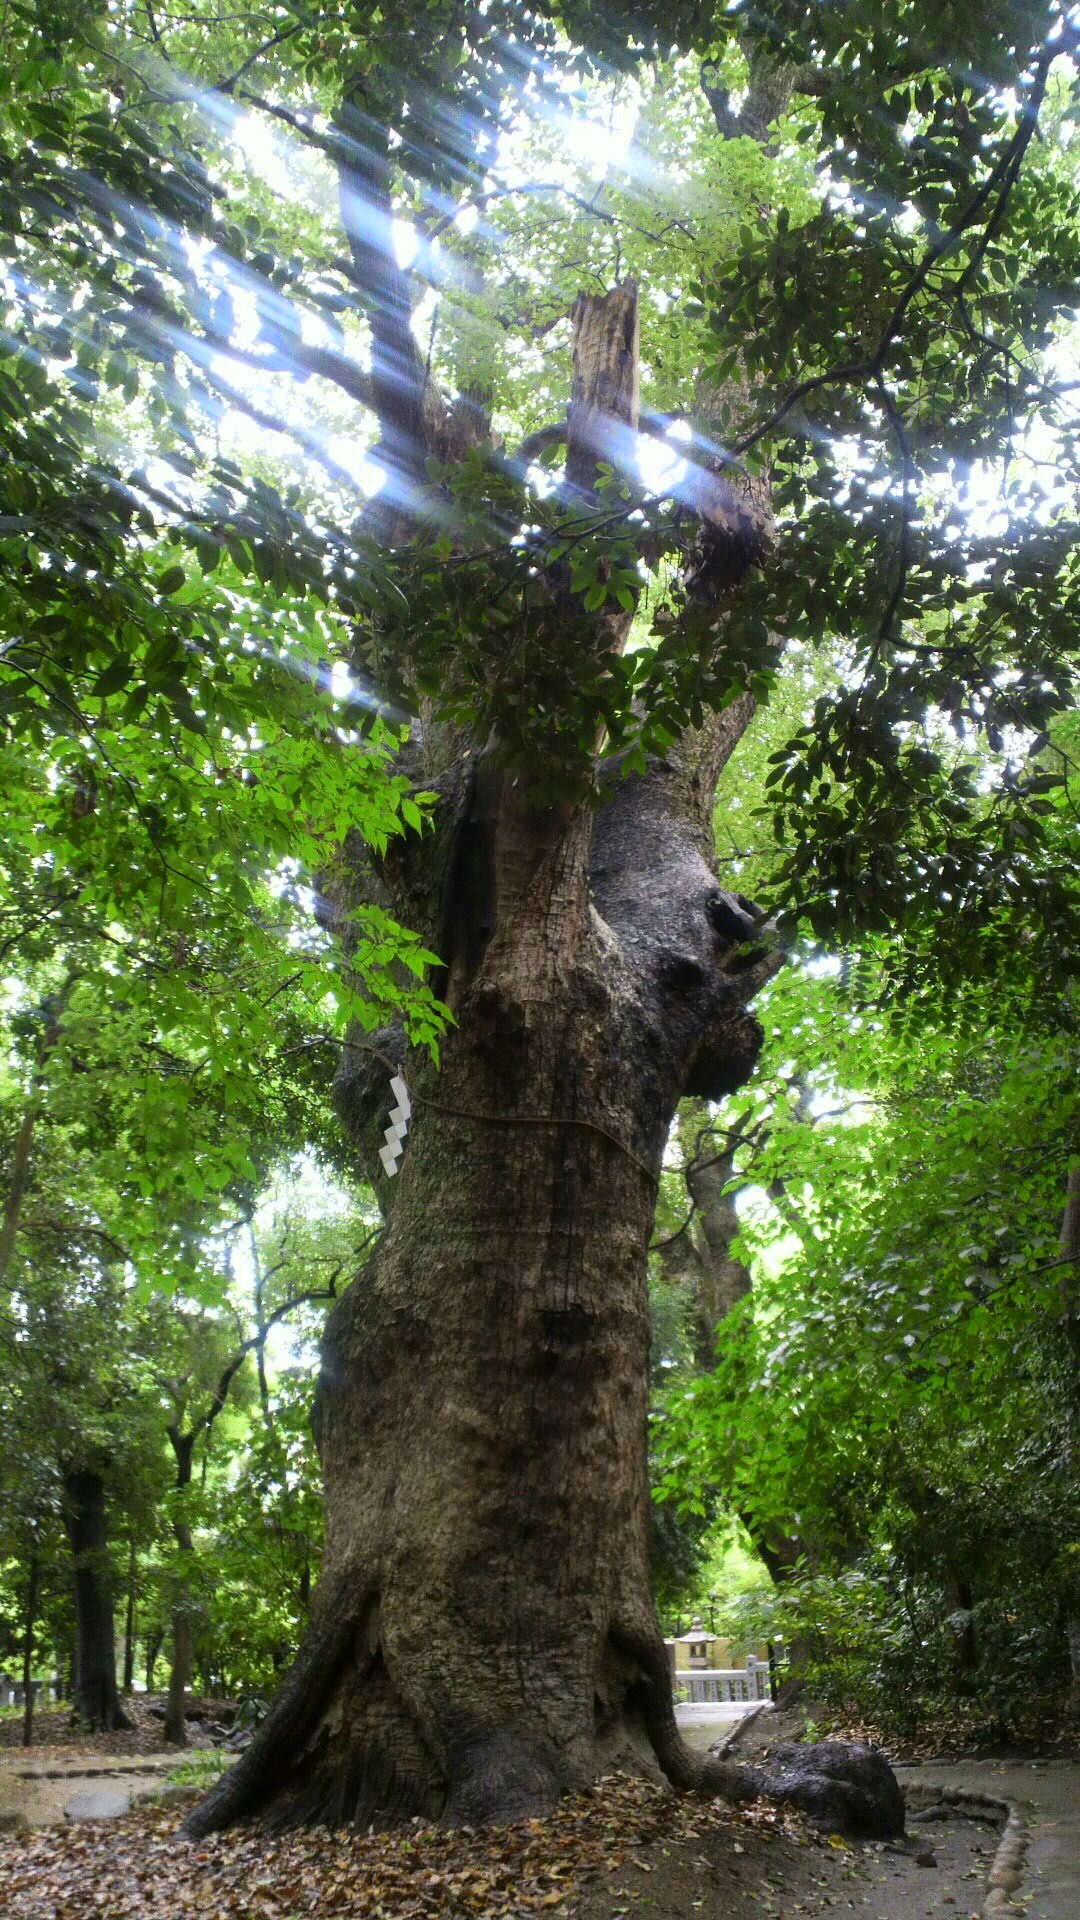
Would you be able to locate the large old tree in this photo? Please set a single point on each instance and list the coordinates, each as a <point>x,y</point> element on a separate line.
<point>485,1636</point>
<point>581,656</point>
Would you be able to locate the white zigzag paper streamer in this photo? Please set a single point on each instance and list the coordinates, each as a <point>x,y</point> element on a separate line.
<point>394,1135</point>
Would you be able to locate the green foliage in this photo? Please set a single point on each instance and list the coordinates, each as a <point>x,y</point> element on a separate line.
<point>879,299</point>
<point>870,309</point>
<point>898,341</point>
<point>897,1394</point>
<point>200,1769</point>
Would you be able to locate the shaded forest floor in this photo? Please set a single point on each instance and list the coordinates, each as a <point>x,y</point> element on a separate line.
<point>624,1848</point>
<point>1046,1731</point>
<point>54,1733</point>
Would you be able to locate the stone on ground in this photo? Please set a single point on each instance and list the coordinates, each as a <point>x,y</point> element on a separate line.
<point>99,1803</point>
<point>841,1786</point>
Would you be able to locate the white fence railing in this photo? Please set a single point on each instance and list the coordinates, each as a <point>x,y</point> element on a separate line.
<point>715,1686</point>
<point>12,1694</point>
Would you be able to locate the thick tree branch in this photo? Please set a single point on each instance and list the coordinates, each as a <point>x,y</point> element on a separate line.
<point>397,371</point>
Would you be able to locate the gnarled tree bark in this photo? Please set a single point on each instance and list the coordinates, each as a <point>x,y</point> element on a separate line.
<point>483,1635</point>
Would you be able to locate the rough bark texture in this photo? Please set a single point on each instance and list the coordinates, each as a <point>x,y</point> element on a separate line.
<point>96,1699</point>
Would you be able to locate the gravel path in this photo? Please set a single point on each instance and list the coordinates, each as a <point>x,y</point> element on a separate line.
<point>44,1790</point>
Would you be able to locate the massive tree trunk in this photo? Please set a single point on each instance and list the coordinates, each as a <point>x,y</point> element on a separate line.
<point>483,1635</point>
<point>96,1700</point>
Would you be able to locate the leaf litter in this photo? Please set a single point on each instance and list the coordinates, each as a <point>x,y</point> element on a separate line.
<point>625,1849</point>
<point>140,1868</point>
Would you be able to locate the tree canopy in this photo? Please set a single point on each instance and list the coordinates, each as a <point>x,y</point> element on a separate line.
<point>877,293</point>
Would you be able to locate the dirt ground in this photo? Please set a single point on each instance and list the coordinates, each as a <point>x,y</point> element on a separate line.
<point>39,1791</point>
<point>623,1850</point>
<point>620,1851</point>
<point>808,1877</point>
<point>54,1734</point>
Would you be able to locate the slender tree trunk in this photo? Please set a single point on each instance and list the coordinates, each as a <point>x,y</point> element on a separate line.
<point>129,1624</point>
<point>704,1255</point>
<point>51,1011</point>
<point>153,1648</point>
<point>175,1731</point>
<point>20,1176</point>
<point>1070,1311</point>
<point>33,1580</point>
<point>960,1602</point>
<point>183,1445</point>
<point>1070,1265</point>
<point>260,1322</point>
<point>97,1701</point>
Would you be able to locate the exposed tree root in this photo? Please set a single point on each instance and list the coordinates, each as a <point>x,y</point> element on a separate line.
<point>251,1783</point>
<point>340,1747</point>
